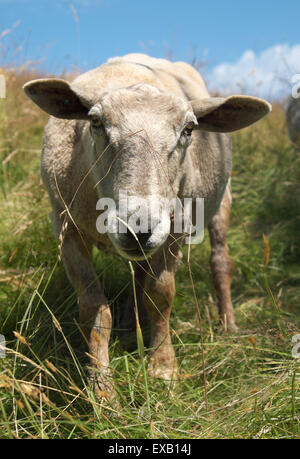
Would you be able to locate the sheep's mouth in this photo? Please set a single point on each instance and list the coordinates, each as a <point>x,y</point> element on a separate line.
<point>136,254</point>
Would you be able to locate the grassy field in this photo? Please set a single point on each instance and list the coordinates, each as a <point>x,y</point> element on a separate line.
<point>252,380</point>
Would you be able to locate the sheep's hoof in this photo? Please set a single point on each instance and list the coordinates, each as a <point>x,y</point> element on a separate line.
<point>229,328</point>
<point>108,399</point>
<point>104,391</point>
<point>169,373</point>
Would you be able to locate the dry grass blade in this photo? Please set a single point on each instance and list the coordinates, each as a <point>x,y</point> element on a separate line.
<point>267,249</point>
<point>20,338</point>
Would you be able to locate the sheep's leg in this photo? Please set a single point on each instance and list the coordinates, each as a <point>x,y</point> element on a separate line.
<point>159,292</point>
<point>94,312</point>
<point>220,261</point>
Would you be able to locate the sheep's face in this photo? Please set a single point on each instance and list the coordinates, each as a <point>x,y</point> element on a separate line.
<point>142,136</point>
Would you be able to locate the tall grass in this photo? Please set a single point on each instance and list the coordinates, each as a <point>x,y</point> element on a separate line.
<point>251,385</point>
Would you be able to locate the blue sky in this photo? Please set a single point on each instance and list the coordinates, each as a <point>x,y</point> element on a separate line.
<point>231,36</point>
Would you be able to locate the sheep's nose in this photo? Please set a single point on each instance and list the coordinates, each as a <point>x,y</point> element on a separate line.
<point>135,241</point>
<point>140,241</point>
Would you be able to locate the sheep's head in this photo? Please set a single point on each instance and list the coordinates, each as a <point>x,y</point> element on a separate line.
<point>142,135</point>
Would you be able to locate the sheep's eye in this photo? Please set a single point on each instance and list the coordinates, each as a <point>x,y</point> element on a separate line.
<point>188,130</point>
<point>95,122</point>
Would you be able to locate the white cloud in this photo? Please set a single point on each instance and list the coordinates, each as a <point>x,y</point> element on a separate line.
<point>267,74</point>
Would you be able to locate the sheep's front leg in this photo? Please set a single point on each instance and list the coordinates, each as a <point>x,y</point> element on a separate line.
<point>221,264</point>
<point>159,292</point>
<point>94,312</point>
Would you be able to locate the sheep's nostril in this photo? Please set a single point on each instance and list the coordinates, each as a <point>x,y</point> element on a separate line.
<point>135,241</point>
<point>143,238</point>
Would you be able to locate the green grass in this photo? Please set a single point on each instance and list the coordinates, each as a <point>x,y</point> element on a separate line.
<point>252,381</point>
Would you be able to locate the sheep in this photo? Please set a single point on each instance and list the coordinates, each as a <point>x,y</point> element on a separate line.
<point>143,128</point>
<point>293,119</point>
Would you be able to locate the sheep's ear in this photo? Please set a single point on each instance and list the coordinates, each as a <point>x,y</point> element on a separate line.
<point>218,114</point>
<point>58,98</point>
